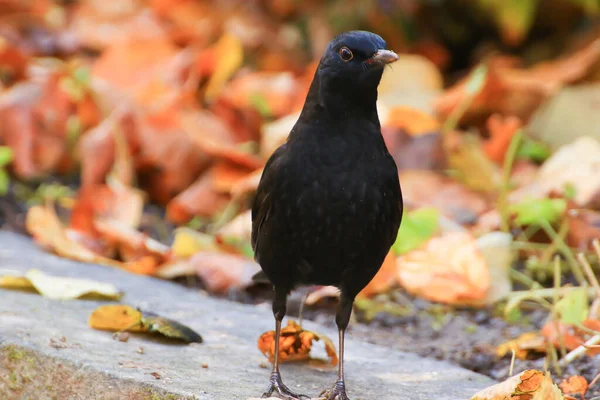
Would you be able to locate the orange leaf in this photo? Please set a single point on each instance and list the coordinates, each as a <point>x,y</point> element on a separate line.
<point>115,317</point>
<point>523,345</point>
<point>449,269</point>
<point>295,344</point>
<point>199,199</point>
<point>576,384</point>
<point>384,279</point>
<point>501,132</point>
<point>414,121</point>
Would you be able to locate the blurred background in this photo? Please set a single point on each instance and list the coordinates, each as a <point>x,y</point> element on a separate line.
<point>133,134</point>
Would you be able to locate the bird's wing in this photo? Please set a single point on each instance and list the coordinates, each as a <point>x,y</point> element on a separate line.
<point>262,200</point>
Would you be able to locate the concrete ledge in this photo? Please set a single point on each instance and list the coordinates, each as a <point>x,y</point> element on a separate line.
<point>47,350</point>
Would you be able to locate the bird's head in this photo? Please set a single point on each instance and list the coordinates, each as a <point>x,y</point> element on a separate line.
<point>350,70</point>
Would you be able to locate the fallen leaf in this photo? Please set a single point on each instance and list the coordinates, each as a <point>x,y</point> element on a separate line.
<point>125,318</point>
<point>574,167</point>
<point>229,54</point>
<point>584,227</point>
<point>538,211</point>
<point>497,252</point>
<point>219,272</point>
<point>511,90</point>
<point>573,308</point>
<point>417,227</point>
<point>524,345</point>
<point>576,384</point>
<point>528,385</point>
<point>567,116</point>
<point>383,280</point>
<point>188,242</point>
<point>448,269</point>
<point>295,344</point>
<point>413,121</point>
<point>200,199</point>
<point>60,288</point>
<point>452,199</point>
<point>501,131</point>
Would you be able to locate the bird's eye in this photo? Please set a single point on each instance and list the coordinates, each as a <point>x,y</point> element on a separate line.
<point>346,54</point>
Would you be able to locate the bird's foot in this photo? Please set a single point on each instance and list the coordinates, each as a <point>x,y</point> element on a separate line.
<point>338,392</point>
<point>278,389</point>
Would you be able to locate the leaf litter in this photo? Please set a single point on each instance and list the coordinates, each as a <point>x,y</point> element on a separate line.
<point>498,167</point>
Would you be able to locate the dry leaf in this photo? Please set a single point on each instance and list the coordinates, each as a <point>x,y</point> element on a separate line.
<point>295,344</point>
<point>219,271</point>
<point>576,384</point>
<point>385,278</point>
<point>188,242</point>
<point>576,165</point>
<point>523,345</point>
<point>125,318</point>
<point>413,121</point>
<point>430,189</point>
<point>510,90</point>
<point>528,385</point>
<point>60,288</point>
<point>229,54</point>
<point>449,269</point>
<point>501,132</point>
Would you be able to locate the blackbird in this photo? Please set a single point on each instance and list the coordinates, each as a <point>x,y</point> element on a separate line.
<point>328,206</point>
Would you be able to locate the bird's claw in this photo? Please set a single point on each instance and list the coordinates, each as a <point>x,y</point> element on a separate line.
<point>338,392</point>
<point>278,389</point>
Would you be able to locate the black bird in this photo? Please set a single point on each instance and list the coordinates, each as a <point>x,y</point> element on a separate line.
<point>328,206</point>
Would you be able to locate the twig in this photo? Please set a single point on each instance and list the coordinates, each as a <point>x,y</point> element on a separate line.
<point>512,362</point>
<point>561,342</point>
<point>509,159</point>
<point>564,249</point>
<point>579,351</point>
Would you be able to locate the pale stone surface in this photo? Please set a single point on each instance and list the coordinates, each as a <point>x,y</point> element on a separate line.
<point>35,362</point>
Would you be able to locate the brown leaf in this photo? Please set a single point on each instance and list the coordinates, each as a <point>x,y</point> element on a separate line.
<point>576,384</point>
<point>200,198</point>
<point>584,227</point>
<point>449,269</point>
<point>511,90</point>
<point>219,271</point>
<point>429,189</point>
<point>295,344</point>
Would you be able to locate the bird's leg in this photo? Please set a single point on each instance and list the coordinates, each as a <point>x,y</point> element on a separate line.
<point>342,318</point>
<point>276,386</point>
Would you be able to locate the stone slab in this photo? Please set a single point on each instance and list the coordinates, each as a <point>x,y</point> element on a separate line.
<point>47,350</point>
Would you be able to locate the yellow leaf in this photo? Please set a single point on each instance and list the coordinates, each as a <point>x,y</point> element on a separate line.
<point>523,345</point>
<point>229,54</point>
<point>126,318</point>
<point>60,288</point>
<point>188,242</point>
<point>15,282</point>
<point>117,317</point>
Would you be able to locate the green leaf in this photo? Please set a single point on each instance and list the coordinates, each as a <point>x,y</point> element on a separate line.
<point>4,182</point>
<point>536,211</point>
<point>574,307</point>
<point>82,75</point>
<point>533,150</point>
<point>260,103</point>
<point>6,155</point>
<point>476,80</point>
<point>416,228</point>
